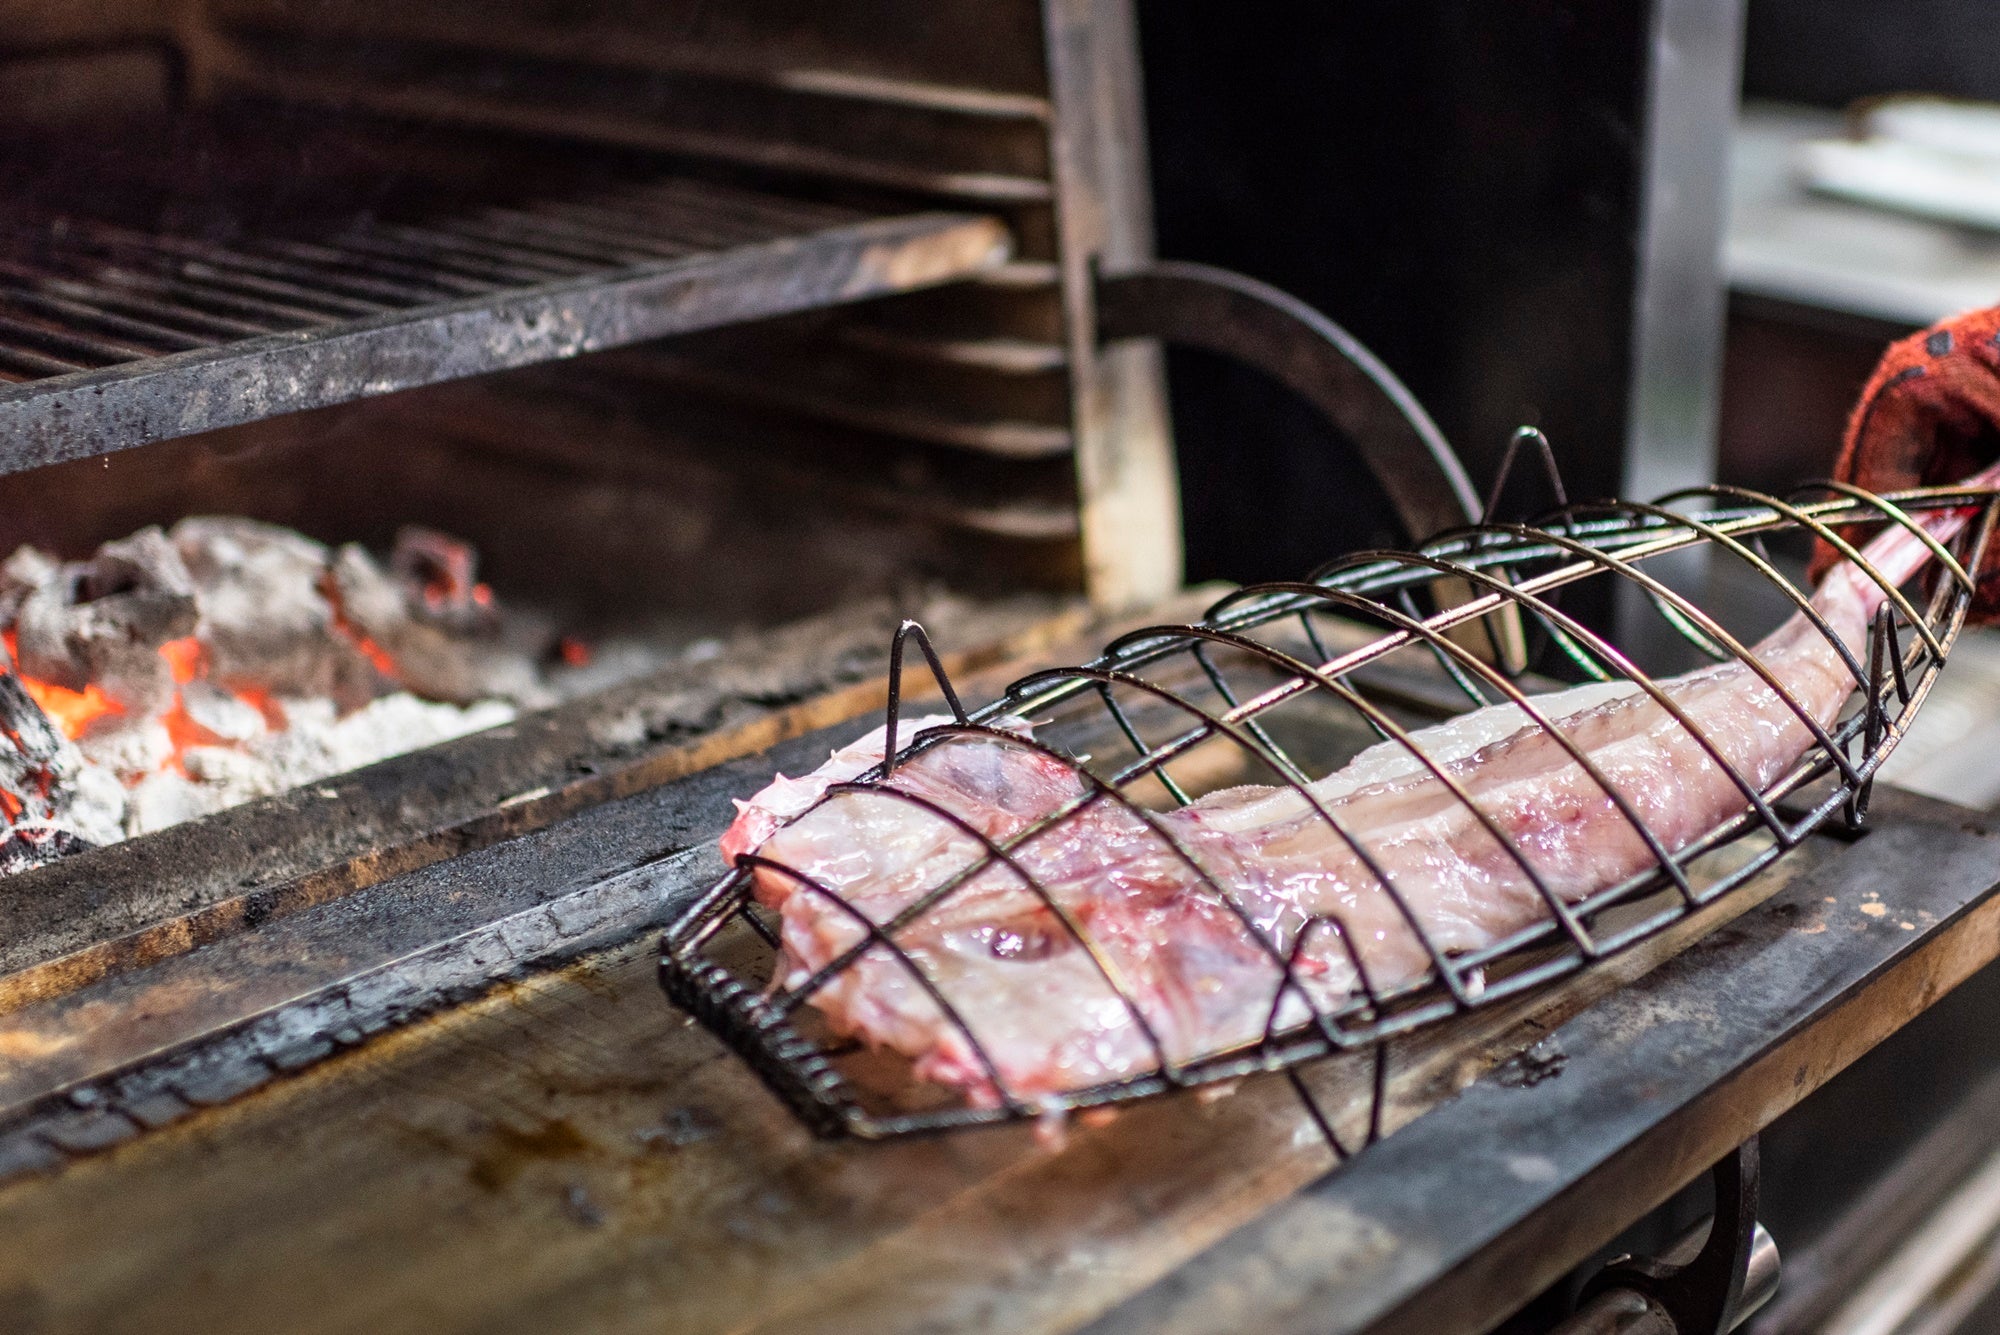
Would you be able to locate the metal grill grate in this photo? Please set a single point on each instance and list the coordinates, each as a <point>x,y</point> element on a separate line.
<point>111,336</point>
<point>1280,685</point>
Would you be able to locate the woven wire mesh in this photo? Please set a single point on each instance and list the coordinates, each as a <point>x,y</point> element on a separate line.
<point>1282,684</point>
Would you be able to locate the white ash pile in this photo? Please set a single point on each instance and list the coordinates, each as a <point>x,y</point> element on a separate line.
<point>179,672</point>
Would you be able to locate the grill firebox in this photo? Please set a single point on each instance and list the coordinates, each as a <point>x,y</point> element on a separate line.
<point>257,241</point>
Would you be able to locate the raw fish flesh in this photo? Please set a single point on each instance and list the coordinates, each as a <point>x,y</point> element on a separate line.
<point>1117,939</point>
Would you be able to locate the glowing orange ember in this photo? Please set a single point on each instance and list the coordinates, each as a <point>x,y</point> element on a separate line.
<point>75,711</point>
<point>72,711</point>
<point>573,651</point>
<point>380,657</point>
<point>156,727</point>
<point>185,732</point>
<point>261,701</point>
<point>184,659</point>
<point>377,655</point>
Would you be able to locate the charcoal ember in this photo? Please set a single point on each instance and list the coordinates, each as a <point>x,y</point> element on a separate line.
<point>103,621</point>
<point>427,658</point>
<point>37,763</point>
<point>34,844</point>
<point>303,654</point>
<point>440,579</point>
<point>267,623</point>
<point>29,732</point>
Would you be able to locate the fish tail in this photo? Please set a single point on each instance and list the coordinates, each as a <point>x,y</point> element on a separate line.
<point>1897,554</point>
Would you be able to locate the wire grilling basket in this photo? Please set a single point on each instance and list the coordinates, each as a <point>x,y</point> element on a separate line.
<point>1282,685</point>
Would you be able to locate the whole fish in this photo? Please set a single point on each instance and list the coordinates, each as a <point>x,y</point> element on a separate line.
<point>1117,940</point>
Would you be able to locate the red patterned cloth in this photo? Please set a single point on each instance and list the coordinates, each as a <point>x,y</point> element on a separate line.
<point>1929,417</point>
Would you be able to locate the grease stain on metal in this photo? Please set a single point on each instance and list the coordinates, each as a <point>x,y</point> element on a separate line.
<point>510,1149</point>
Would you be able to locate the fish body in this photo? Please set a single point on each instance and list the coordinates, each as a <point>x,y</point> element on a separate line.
<point>1115,940</point>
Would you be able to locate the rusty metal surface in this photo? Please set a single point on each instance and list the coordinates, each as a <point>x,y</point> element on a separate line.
<point>634,1177</point>
<point>1463,1215</point>
<point>951,108</point>
<point>565,1152</point>
<point>1127,481</point>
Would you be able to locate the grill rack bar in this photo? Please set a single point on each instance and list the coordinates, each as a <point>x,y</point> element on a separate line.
<point>1907,646</point>
<point>112,337</point>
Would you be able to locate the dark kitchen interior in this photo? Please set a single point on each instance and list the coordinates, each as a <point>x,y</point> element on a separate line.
<point>455,454</point>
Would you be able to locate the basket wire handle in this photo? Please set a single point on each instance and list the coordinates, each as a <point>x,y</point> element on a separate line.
<point>1885,661</point>
<point>1524,435</point>
<point>911,630</point>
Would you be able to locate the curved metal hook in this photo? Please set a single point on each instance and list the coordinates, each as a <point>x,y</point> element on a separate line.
<point>1201,306</point>
<point>912,630</point>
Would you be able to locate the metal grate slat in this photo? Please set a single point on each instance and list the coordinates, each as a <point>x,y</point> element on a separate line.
<point>629,244</point>
<point>488,273</point>
<point>208,294</point>
<point>34,363</point>
<point>414,276</point>
<point>362,290</point>
<point>455,237</point>
<point>97,298</point>
<point>592,220</point>
<point>542,239</point>
<point>109,332</point>
<point>198,265</point>
<point>66,343</point>
<point>84,315</point>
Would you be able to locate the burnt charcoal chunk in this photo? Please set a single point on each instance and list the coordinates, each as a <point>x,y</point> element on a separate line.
<point>267,622</point>
<point>226,660</point>
<point>427,658</point>
<point>103,621</point>
<point>440,579</point>
<point>33,737</point>
<point>25,847</point>
<point>37,762</point>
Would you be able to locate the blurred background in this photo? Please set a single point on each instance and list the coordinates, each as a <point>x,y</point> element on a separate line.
<point>1677,237</point>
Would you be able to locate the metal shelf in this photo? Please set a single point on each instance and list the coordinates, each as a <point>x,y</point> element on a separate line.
<point>113,335</point>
